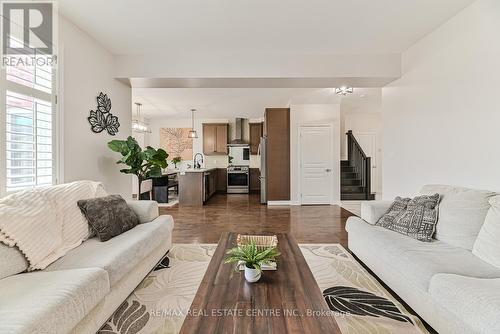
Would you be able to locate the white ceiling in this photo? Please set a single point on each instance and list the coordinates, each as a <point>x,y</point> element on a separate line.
<point>294,26</point>
<point>228,103</point>
<point>288,30</point>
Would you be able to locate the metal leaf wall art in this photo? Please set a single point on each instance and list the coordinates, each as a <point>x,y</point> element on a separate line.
<point>101,119</point>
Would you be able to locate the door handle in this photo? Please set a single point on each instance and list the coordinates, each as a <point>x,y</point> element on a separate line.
<point>328,170</point>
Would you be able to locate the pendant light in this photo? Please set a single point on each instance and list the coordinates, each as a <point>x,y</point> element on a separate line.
<point>137,124</point>
<point>192,133</point>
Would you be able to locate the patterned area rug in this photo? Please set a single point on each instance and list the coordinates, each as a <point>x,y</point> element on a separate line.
<point>159,304</point>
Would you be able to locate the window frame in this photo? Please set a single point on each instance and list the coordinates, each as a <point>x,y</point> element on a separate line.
<point>6,85</point>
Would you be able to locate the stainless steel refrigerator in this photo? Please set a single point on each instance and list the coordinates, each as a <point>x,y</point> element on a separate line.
<point>263,169</point>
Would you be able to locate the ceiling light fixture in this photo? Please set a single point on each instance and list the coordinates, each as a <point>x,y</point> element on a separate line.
<point>344,90</point>
<point>192,133</point>
<point>137,124</point>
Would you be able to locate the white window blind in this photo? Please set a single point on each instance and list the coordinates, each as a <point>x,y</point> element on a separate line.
<point>36,77</point>
<point>29,152</point>
<point>28,129</point>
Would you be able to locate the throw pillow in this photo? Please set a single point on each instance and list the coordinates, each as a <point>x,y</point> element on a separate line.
<point>109,216</point>
<point>396,211</point>
<point>416,218</point>
<point>487,245</point>
<point>461,213</point>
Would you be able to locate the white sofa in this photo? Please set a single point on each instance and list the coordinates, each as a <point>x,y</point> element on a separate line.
<point>80,291</point>
<point>444,281</point>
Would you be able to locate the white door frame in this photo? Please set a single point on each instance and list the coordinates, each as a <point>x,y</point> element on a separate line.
<point>331,126</point>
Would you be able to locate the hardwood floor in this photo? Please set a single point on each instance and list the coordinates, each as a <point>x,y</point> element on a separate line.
<point>244,214</point>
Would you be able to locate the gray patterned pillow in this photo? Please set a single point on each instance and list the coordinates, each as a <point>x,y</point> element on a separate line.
<point>109,216</point>
<point>416,218</point>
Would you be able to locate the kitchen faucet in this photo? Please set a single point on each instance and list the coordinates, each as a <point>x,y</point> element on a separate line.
<point>197,165</point>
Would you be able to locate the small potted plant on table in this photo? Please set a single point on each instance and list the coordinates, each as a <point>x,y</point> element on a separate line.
<point>175,161</point>
<point>252,258</point>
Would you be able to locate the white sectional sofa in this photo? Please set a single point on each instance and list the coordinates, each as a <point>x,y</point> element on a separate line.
<point>444,281</point>
<point>80,291</point>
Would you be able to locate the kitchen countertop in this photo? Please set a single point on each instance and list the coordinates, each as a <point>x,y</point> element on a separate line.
<point>201,170</point>
<point>170,172</point>
<point>190,170</point>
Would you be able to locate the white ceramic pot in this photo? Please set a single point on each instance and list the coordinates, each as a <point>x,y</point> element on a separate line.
<point>252,275</point>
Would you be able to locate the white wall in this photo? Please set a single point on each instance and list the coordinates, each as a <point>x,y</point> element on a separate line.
<point>85,70</point>
<point>441,119</point>
<point>311,114</point>
<point>364,123</point>
<point>366,113</point>
<point>358,122</point>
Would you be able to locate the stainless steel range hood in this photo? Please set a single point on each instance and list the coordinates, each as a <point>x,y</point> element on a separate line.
<point>238,139</point>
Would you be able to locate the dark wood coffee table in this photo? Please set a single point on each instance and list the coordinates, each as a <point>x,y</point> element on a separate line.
<point>287,300</point>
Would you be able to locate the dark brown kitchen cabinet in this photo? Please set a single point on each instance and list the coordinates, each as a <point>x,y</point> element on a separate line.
<point>221,145</point>
<point>255,134</point>
<point>215,138</point>
<point>277,123</point>
<point>254,180</point>
<point>212,183</point>
<point>222,180</point>
<point>209,139</point>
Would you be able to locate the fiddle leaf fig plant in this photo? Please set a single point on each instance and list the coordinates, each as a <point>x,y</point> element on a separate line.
<point>144,164</point>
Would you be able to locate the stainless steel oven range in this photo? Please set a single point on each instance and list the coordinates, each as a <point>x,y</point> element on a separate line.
<point>238,180</point>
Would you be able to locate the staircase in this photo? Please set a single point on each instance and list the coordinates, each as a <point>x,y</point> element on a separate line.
<point>355,181</point>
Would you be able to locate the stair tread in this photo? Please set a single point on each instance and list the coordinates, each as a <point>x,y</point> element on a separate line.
<point>356,183</point>
<point>356,196</point>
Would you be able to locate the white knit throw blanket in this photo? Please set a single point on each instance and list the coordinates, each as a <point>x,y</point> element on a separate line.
<point>46,223</point>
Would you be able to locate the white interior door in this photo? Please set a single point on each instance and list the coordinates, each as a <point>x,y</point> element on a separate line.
<point>368,142</point>
<point>316,164</point>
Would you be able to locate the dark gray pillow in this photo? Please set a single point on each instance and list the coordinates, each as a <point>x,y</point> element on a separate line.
<point>416,218</point>
<point>108,216</point>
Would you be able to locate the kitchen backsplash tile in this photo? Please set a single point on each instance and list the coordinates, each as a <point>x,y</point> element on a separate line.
<point>219,161</point>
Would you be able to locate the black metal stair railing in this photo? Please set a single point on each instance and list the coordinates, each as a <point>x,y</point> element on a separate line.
<point>359,161</point>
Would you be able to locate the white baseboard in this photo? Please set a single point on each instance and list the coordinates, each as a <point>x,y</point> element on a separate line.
<point>293,203</point>
<point>276,203</point>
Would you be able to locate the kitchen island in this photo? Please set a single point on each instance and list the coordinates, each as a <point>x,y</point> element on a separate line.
<point>196,186</point>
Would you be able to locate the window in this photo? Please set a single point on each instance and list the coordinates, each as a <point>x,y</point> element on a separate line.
<point>37,77</point>
<point>28,128</point>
